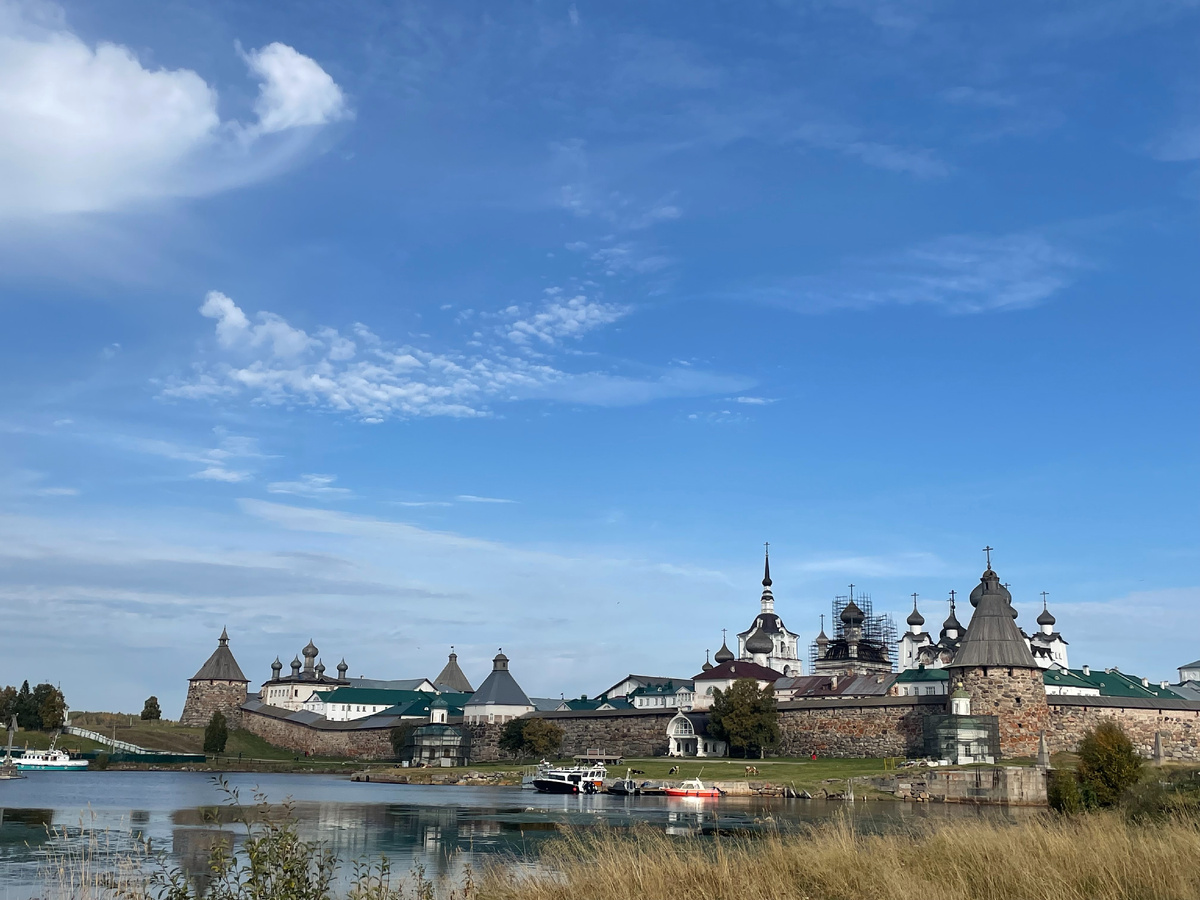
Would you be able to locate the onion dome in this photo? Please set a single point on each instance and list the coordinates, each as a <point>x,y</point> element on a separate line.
<point>310,652</point>
<point>296,666</point>
<point>342,669</point>
<point>320,669</point>
<point>723,655</point>
<point>989,583</point>
<point>707,665</point>
<point>1045,618</point>
<point>852,615</point>
<point>759,642</point>
<point>914,617</point>
<point>952,621</point>
<point>276,668</point>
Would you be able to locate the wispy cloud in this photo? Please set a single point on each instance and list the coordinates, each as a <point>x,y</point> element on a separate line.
<point>220,473</point>
<point>756,401</point>
<point>317,487</point>
<point>960,274</point>
<point>275,363</point>
<point>472,498</point>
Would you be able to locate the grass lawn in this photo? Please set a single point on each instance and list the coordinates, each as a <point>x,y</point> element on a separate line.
<point>40,740</point>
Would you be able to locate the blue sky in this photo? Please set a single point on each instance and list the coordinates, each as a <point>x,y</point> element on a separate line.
<point>399,326</point>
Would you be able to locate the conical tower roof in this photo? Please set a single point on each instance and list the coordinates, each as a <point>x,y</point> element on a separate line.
<point>500,688</point>
<point>452,676</point>
<point>221,666</point>
<point>992,638</point>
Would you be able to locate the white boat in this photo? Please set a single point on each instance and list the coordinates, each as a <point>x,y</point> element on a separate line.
<point>52,760</point>
<point>573,780</point>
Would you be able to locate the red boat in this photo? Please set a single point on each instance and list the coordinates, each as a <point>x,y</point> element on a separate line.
<point>693,787</point>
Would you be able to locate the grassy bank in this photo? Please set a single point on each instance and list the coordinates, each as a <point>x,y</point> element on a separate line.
<point>1097,857</point>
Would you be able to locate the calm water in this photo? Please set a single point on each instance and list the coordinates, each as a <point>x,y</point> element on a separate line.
<point>439,827</point>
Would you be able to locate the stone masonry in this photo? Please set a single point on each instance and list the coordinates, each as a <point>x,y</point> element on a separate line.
<point>875,727</point>
<point>1178,721</point>
<point>359,743</point>
<point>1016,696</point>
<point>207,697</point>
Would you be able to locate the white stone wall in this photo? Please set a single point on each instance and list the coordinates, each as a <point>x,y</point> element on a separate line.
<point>493,714</point>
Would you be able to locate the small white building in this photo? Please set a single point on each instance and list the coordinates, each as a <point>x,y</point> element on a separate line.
<point>348,703</point>
<point>1048,647</point>
<point>687,735</point>
<point>499,699</point>
<point>1190,672</point>
<point>670,695</point>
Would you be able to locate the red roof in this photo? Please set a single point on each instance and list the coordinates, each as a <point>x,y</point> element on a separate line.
<point>739,668</point>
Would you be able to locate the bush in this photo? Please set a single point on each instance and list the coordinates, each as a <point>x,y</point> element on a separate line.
<point>399,738</point>
<point>100,762</point>
<point>151,711</point>
<point>1063,792</point>
<point>1108,763</point>
<point>216,734</point>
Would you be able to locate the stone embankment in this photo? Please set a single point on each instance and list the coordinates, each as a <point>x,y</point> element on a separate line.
<point>985,785</point>
<point>401,775</point>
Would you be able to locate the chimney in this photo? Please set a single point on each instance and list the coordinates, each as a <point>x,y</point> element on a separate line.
<point>1087,670</point>
<point>833,683</point>
<point>1163,684</point>
<point>1145,682</point>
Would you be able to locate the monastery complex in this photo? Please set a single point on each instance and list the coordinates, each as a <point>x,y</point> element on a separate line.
<point>980,692</point>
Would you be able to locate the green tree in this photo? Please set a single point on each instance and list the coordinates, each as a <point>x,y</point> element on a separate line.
<point>151,711</point>
<point>8,705</point>
<point>1108,763</point>
<point>52,705</point>
<point>28,715</point>
<point>745,717</point>
<point>399,738</point>
<point>542,738</point>
<point>216,733</point>
<point>512,737</point>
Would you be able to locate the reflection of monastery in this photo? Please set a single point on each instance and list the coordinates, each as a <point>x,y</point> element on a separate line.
<point>973,692</point>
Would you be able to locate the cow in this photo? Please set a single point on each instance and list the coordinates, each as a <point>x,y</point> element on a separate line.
<point>636,772</point>
<point>751,770</point>
<point>673,770</point>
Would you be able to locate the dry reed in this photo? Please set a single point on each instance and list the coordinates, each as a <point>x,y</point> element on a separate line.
<point>1095,857</point>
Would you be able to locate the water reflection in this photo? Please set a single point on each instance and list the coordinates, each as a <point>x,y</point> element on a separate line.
<point>437,827</point>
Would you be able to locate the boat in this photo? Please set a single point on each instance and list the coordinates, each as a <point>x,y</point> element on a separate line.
<point>52,760</point>
<point>530,774</point>
<point>692,787</point>
<point>8,769</point>
<point>625,787</point>
<point>571,780</point>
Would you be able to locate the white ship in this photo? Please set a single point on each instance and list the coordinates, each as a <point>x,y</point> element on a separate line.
<point>52,760</point>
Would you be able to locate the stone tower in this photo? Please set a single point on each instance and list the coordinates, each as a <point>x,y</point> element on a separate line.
<point>998,672</point>
<point>218,686</point>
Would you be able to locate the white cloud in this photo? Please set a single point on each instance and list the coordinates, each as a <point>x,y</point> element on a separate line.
<point>90,128</point>
<point>756,401</point>
<point>571,318</point>
<point>959,273</point>
<point>277,364</point>
<point>317,487</point>
<point>472,498</point>
<point>220,473</point>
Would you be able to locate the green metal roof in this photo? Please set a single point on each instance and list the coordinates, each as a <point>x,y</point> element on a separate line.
<point>922,674</point>
<point>1065,679</point>
<point>1113,683</point>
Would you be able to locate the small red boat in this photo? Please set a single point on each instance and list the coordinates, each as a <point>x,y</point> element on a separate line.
<point>693,787</point>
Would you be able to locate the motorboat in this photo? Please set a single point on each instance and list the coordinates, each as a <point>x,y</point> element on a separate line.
<point>692,787</point>
<point>625,787</point>
<point>52,760</point>
<point>571,780</point>
<point>532,773</point>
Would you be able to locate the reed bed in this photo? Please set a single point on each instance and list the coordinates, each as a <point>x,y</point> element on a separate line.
<point>1094,857</point>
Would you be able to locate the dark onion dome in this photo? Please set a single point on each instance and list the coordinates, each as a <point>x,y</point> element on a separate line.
<point>768,622</point>
<point>707,665</point>
<point>993,639</point>
<point>342,668</point>
<point>320,668</point>
<point>989,583</point>
<point>1013,610</point>
<point>852,615</point>
<point>1045,618</point>
<point>310,652</point>
<point>767,572</point>
<point>296,665</point>
<point>276,666</point>
<point>914,617</point>
<point>952,622</point>
<point>723,655</point>
<point>758,642</point>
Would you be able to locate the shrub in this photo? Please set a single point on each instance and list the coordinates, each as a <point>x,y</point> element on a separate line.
<point>531,737</point>
<point>100,762</point>
<point>1108,763</point>
<point>745,717</point>
<point>399,738</point>
<point>1063,792</point>
<point>216,734</point>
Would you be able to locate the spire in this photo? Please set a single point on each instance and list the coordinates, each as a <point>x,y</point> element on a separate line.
<point>452,677</point>
<point>821,636</point>
<point>223,640</point>
<point>768,599</point>
<point>767,565</point>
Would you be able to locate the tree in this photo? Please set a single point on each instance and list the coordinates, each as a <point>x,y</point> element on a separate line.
<point>216,733</point>
<point>28,715</point>
<point>542,738</point>
<point>8,705</point>
<point>512,737</point>
<point>151,712</point>
<point>745,717</point>
<point>399,737</point>
<point>52,707</point>
<point>1108,763</point>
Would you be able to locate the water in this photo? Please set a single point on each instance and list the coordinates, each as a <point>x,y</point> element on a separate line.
<point>438,827</point>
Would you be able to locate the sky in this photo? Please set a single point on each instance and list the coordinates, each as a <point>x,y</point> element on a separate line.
<point>400,326</point>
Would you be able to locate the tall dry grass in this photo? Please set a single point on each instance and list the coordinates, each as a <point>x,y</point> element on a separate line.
<point>1096,857</point>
